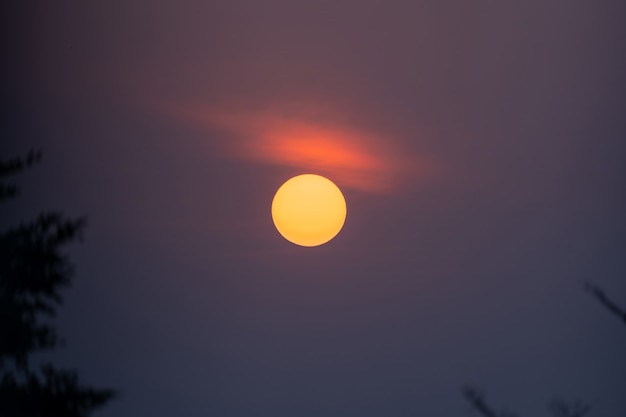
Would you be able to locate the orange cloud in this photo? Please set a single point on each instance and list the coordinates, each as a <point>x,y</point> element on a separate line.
<point>349,156</point>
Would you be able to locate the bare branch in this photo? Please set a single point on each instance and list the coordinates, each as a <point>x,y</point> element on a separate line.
<point>560,408</point>
<point>599,294</point>
<point>477,401</point>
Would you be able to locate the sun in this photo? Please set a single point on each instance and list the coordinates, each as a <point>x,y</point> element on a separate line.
<point>309,210</point>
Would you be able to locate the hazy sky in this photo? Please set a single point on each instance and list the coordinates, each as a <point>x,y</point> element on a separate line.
<point>481,150</point>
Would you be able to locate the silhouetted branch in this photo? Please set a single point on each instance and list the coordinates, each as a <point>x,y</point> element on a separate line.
<point>605,301</point>
<point>478,403</point>
<point>557,408</point>
<point>54,393</point>
<point>12,167</point>
<point>33,271</point>
<point>560,408</point>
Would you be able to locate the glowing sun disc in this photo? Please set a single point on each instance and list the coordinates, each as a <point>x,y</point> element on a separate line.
<point>309,210</point>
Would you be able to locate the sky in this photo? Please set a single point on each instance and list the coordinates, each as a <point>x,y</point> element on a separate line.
<point>479,146</point>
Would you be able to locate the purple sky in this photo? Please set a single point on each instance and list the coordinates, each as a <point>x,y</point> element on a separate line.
<point>480,148</point>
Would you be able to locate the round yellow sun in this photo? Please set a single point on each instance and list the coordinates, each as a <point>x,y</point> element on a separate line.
<point>309,210</point>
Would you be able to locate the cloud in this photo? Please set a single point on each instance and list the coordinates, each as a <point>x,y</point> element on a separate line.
<point>313,139</point>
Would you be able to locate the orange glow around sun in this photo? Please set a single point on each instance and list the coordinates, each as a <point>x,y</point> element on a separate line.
<point>351,156</point>
<point>330,151</point>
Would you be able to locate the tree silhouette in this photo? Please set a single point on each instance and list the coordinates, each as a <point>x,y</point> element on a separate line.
<point>557,408</point>
<point>33,271</point>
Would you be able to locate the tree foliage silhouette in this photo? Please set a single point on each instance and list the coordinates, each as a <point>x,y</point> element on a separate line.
<point>33,271</point>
